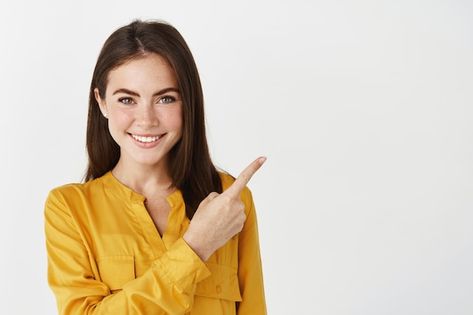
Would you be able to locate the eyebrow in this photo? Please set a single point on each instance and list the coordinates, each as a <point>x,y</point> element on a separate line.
<point>165,90</point>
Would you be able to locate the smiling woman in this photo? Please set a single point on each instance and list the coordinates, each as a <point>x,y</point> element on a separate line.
<point>155,228</point>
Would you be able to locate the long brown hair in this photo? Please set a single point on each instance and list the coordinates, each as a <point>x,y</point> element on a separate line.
<point>191,168</point>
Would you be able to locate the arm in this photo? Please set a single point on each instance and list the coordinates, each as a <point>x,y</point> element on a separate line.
<point>250,273</point>
<point>166,288</point>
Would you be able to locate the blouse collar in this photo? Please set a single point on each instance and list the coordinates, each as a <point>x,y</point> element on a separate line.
<point>126,192</point>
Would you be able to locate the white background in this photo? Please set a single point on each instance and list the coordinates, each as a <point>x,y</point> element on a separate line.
<point>363,108</point>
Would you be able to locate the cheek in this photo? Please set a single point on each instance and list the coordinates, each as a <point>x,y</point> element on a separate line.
<point>120,119</point>
<point>118,123</point>
<point>173,118</point>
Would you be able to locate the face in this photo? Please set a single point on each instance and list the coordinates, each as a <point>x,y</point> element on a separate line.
<point>144,110</point>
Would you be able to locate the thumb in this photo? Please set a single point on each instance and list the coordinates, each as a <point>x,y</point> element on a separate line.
<point>212,196</point>
<point>209,198</point>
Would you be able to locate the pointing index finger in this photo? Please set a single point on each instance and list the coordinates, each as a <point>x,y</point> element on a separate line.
<point>242,180</point>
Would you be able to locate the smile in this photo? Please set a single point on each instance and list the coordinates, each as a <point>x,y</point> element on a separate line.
<point>144,139</point>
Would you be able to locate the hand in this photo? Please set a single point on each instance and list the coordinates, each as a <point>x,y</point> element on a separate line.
<point>220,216</point>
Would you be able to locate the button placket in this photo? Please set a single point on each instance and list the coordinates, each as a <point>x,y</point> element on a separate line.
<point>150,231</point>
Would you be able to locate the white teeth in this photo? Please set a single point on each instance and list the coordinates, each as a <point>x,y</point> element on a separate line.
<point>145,139</point>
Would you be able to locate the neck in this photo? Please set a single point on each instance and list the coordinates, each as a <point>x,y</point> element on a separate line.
<point>144,179</point>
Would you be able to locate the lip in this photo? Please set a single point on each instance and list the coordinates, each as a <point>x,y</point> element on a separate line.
<point>148,145</point>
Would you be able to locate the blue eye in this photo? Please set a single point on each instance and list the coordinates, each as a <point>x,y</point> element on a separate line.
<point>167,99</point>
<point>125,100</point>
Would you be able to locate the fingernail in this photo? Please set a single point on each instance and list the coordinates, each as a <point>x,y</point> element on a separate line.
<point>262,159</point>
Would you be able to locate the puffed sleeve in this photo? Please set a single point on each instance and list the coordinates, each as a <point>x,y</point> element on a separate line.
<point>250,272</point>
<point>167,287</point>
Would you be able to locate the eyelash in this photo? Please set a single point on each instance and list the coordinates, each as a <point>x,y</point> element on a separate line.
<point>173,99</point>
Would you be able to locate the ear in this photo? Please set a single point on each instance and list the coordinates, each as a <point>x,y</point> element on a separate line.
<point>101,102</point>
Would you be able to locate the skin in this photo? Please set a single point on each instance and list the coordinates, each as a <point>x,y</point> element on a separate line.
<point>144,170</point>
<point>219,216</point>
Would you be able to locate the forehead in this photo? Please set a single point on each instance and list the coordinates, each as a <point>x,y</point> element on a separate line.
<point>145,73</point>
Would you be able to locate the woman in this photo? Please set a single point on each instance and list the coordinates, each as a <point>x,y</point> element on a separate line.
<point>155,228</point>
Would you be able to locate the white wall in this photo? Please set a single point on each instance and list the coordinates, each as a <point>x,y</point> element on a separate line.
<point>364,109</point>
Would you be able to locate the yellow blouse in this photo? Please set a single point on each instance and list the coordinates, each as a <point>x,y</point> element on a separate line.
<point>105,256</point>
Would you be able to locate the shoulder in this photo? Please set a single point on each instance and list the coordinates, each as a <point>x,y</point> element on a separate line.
<point>71,190</point>
<point>226,178</point>
<point>69,194</point>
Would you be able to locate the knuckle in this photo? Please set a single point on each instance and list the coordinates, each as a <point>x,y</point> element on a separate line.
<point>227,198</point>
<point>240,205</point>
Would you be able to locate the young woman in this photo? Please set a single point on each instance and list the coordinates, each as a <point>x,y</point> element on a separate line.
<point>154,228</point>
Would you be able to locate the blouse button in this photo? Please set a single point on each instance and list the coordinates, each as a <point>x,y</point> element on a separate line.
<point>218,288</point>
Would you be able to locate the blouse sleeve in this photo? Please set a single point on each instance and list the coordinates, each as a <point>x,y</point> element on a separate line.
<point>250,272</point>
<point>167,287</point>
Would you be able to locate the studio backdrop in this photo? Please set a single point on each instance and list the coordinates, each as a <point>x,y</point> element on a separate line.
<point>363,108</point>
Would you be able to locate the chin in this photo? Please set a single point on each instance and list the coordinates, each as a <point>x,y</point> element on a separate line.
<point>148,161</point>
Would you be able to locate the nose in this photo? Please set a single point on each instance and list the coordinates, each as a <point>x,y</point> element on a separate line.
<point>146,117</point>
